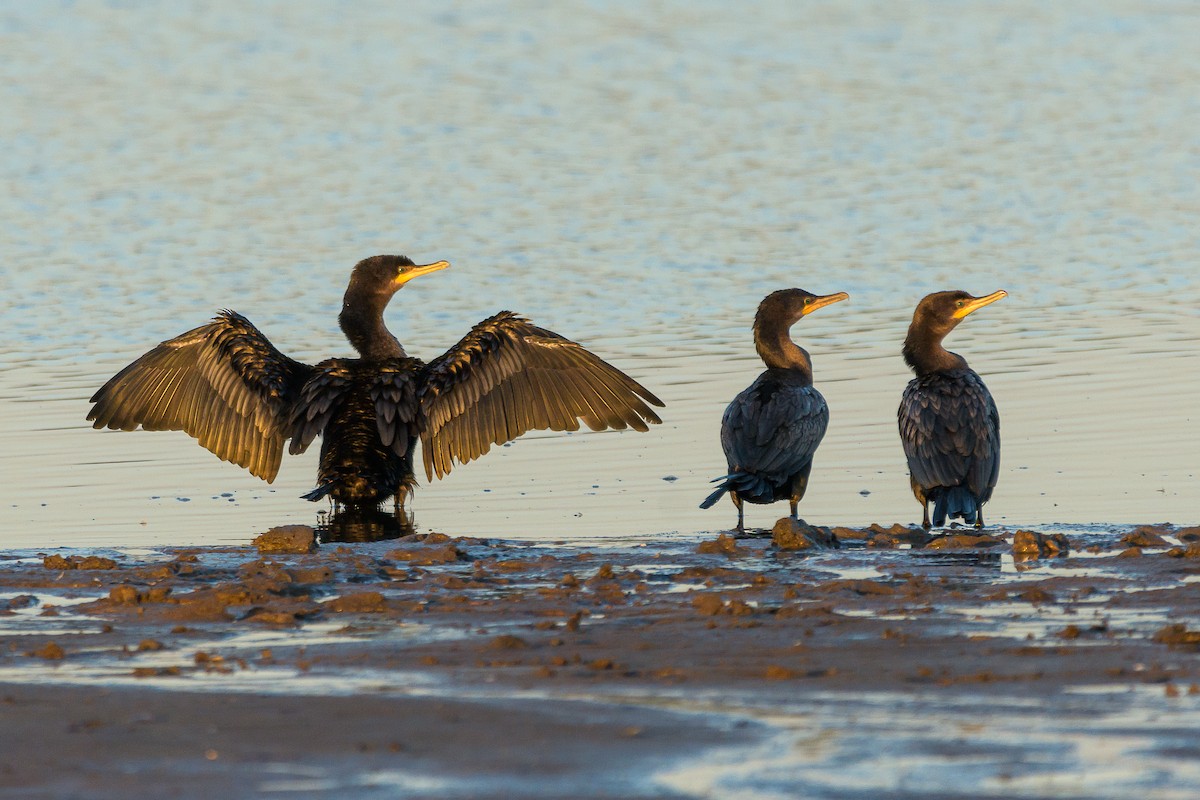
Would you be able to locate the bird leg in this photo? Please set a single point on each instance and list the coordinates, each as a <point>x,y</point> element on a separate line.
<point>399,499</point>
<point>737,501</point>
<point>799,487</point>
<point>979,518</point>
<point>925,523</point>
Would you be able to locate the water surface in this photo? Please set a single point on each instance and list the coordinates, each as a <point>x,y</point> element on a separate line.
<point>636,177</point>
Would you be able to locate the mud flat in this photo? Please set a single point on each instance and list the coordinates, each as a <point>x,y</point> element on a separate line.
<point>1062,661</point>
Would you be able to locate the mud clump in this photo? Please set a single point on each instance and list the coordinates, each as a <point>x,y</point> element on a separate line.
<point>357,603</point>
<point>1178,636</point>
<point>296,539</point>
<point>1188,534</point>
<point>1191,551</point>
<point>722,545</point>
<point>1029,545</point>
<point>708,604</point>
<point>310,575</point>
<point>964,541</point>
<point>790,534</point>
<point>1144,536</point>
<point>424,555</point>
<point>875,535</point>
<point>21,601</point>
<point>127,594</point>
<point>78,562</point>
<point>863,587</point>
<point>50,651</point>
<point>507,642</point>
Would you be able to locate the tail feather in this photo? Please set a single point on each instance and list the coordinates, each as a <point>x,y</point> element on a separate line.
<point>955,502</point>
<point>324,490</point>
<point>749,486</point>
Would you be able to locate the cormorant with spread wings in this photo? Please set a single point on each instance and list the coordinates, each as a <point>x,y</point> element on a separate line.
<point>228,387</point>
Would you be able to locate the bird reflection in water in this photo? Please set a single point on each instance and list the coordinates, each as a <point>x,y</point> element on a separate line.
<point>363,525</point>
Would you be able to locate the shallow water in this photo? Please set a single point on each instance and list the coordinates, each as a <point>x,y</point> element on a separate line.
<point>636,178</point>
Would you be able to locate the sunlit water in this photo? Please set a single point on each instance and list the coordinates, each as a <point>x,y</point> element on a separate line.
<point>636,177</point>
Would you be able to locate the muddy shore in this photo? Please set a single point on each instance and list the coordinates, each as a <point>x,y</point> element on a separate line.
<point>959,665</point>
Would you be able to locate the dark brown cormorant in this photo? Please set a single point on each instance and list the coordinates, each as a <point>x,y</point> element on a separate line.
<point>228,387</point>
<point>771,430</point>
<point>948,421</point>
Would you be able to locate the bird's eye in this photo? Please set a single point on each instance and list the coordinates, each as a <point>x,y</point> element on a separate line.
<point>959,304</point>
<point>807,300</point>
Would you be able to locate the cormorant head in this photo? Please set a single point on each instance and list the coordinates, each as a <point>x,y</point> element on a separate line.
<point>384,275</point>
<point>940,312</point>
<point>787,306</point>
<point>372,285</point>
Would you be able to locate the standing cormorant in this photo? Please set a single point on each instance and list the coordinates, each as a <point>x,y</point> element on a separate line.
<point>948,421</point>
<point>229,388</point>
<point>771,430</point>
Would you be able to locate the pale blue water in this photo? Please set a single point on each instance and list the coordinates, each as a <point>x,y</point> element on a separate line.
<point>635,176</point>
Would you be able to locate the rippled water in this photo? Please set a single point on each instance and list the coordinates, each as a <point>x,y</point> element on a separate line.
<point>637,177</point>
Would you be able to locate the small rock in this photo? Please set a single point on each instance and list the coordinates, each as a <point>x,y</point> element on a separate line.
<point>723,544</point>
<point>964,541</point>
<point>1036,594</point>
<point>311,574</point>
<point>358,603</point>
<point>22,601</point>
<point>78,562</point>
<point>124,594</point>
<point>708,604</point>
<point>1188,534</point>
<point>1144,537</point>
<point>791,534</point>
<point>423,556</point>
<point>50,651</point>
<point>287,539</point>
<point>1191,551</point>
<point>1178,635</point>
<point>507,642</point>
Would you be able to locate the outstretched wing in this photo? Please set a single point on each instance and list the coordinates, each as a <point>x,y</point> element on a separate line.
<point>223,383</point>
<point>950,429</point>
<point>773,431</point>
<point>508,376</point>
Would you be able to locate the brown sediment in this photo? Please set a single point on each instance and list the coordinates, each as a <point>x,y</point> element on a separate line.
<point>944,612</point>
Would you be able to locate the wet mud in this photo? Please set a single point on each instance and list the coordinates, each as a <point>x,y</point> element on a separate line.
<point>726,631</point>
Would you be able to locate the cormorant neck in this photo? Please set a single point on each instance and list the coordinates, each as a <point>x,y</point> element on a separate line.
<point>778,351</point>
<point>924,353</point>
<point>361,319</point>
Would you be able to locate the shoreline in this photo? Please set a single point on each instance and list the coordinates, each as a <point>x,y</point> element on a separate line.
<point>698,667</point>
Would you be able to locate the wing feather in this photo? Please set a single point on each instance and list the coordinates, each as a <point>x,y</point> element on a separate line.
<point>950,430</point>
<point>222,383</point>
<point>773,430</point>
<point>507,377</point>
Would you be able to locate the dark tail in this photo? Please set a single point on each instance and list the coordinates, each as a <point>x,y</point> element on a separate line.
<point>324,490</point>
<point>751,487</point>
<point>955,502</point>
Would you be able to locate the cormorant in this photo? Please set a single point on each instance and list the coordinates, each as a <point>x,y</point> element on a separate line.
<point>771,430</point>
<point>948,421</point>
<point>228,387</point>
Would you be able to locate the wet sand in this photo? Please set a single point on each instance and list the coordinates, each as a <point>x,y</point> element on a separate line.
<point>994,665</point>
